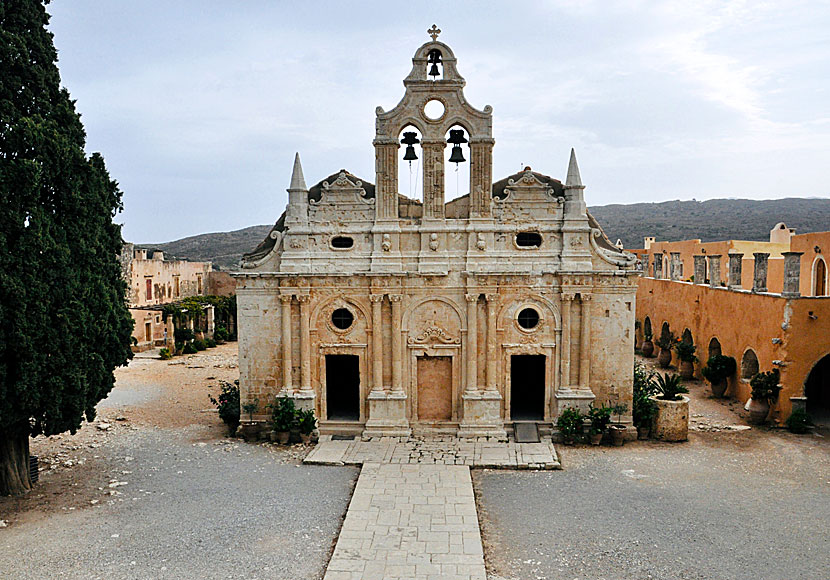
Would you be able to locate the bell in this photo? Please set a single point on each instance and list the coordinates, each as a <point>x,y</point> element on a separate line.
<point>410,154</point>
<point>434,58</point>
<point>433,71</point>
<point>456,137</point>
<point>457,155</point>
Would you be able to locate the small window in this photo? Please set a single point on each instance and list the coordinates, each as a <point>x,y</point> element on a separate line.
<point>528,240</point>
<point>342,242</point>
<point>342,318</point>
<point>528,318</point>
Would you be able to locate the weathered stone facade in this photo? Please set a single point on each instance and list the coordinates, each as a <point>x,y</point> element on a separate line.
<point>387,314</point>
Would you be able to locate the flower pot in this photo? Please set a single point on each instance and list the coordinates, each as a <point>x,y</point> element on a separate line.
<point>596,438</point>
<point>758,411</point>
<point>249,431</point>
<point>643,432</point>
<point>294,436</point>
<point>671,423</point>
<point>664,358</point>
<point>617,435</point>
<point>305,438</point>
<point>647,348</point>
<point>283,437</point>
<point>272,435</point>
<point>719,388</point>
<point>687,369</point>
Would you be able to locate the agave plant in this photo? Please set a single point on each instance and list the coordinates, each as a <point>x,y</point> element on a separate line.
<point>669,387</point>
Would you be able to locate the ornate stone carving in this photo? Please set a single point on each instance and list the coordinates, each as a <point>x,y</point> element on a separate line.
<point>386,244</point>
<point>433,242</point>
<point>434,333</point>
<point>480,243</point>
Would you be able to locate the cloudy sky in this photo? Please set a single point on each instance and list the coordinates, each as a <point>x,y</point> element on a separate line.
<point>198,106</point>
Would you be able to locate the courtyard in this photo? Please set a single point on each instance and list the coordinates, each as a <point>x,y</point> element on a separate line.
<point>154,489</point>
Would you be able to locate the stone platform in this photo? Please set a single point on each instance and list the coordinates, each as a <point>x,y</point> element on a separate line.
<point>441,451</point>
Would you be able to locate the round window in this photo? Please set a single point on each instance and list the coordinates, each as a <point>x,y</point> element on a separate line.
<point>528,318</point>
<point>342,318</point>
<point>434,110</point>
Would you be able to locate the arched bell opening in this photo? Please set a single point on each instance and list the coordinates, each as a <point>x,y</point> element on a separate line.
<point>457,163</point>
<point>410,156</point>
<point>435,65</point>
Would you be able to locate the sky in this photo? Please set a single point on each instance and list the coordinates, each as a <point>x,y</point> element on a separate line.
<point>199,106</point>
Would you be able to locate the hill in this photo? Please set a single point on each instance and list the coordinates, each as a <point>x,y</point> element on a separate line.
<point>713,220</point>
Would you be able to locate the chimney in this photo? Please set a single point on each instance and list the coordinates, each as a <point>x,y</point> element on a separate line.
<point>759,282</point>
<point>792,274</point>
<point>735,262</point>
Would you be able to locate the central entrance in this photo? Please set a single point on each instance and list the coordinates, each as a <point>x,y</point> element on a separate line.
<point>343,387</point>
<point>527,387</point>
<point>434,388</point>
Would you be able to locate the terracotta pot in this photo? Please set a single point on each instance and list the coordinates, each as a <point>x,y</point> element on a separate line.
<point>643,432</point>
<point>647,348</point>
<point>687,369</point>
<point>719,388</point>
<point>596,438</point>
<point>272,435</point>
<point>249,431</point>
<point>617,435</point>
<point>305,438</point>
<point>283,437</point>
<point>671,423</point>
<point>758,411</point>
<point>664,358</point>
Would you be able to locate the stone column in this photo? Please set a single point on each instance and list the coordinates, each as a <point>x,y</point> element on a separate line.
<point>585,344</point>
<point>170,328</point>
<point>481,176</point>
<point>792,274</point>
<point>735,263</point>
<point>492,347</point>
<point>714,270</point>
<point>377,343</point>
<point>211,325</point>
<point>386,171</point>
<point>658,265</point>
<point>433,152</point>
<point>397,387</point>
<point>305,344</point>
<point>566,340</point>
<point>287,363</point>
<point>759,280</point>
<point>674,266</point>
<point>472,343</point>
<point>700,269</point>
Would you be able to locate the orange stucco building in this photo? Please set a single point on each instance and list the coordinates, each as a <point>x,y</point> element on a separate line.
<point>767,304</point>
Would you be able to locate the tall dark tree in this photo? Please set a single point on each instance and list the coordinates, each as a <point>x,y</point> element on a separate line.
<point>64,324</point>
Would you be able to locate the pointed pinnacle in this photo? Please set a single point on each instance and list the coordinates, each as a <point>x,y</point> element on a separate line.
<point>297,179</point>
<point>573,178</point>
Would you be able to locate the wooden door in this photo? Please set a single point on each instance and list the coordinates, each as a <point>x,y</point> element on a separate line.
<point>434,388</point>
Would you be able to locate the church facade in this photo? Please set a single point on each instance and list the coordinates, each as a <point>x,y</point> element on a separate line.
<point>390,315</point>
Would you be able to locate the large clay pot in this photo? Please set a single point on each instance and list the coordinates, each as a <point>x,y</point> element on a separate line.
<point>283,437</point>
<point>643,431</point>
<point>687,369</point>
<point>719,388</point>
<point>617,433</point>
<point>671,423</point>
<point>664,358</point>
<point>647,348</point>
<point>758,411</point>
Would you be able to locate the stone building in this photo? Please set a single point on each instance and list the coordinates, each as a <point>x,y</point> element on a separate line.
<point>388,314</point>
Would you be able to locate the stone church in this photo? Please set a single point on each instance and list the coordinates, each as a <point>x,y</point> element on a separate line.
<point>391,315</point>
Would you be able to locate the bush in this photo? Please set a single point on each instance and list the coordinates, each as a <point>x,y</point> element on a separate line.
<point>669,387</point>
<point>189,348</point>
<point>284,414</point>
<point>718,368</point>
<point>250,408</point>
<point>165,354</point>
<point>666,341</point>
<point>643,408</point>
<point>228,404</point>
<point>199,344</point>
<point>765,386</point>
<point>600,417</point>
<point>799,421</point>
<point>306,421</point>
<point>210,343</point>
<point>570,424</point>
<point>184,335</point>
<point>685,351</point>
<point>220,334</point>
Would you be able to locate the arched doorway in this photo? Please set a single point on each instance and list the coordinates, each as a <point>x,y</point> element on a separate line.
<point>817,391</point>
<point>749,365</point>
<point>714,347</point>
<point>820,278</point>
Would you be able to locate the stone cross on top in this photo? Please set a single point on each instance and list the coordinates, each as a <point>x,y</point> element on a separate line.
<point>434,32</point>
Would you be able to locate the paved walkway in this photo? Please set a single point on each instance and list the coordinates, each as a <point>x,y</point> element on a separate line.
<point>442,451</point>
<point>412,522</point>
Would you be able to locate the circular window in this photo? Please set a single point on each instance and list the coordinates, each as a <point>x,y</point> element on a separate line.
<point>342,318</point>
<point>434,110</point>
<point>528,318</point>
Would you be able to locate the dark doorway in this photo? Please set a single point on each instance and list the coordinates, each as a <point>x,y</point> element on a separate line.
<point>527,387</point>
<point>343,387</point>
<point>817,391</point>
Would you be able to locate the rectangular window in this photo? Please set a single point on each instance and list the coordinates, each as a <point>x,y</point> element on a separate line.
<point>149,283</point>
<point>198,284</point>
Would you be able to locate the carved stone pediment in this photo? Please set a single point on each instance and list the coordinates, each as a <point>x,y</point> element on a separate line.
<point>526,186</point>
<point>432,334</point>
<point>342,189</point>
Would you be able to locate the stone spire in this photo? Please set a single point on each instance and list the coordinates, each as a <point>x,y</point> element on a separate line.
<point>297,210</point>
<point>298,181</point>
<point>573,179</point>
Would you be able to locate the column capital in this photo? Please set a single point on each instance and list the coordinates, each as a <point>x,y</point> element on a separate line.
<point>471,297</point>
<point>586,297</point>
<point>286,298</point>
<point>491,297</point>
<point>376,297</point>
<point>395,297</point>
<point>568,296</point>
<point>303,298</point>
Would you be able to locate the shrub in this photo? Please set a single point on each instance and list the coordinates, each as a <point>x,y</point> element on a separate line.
<point>306,421</point>
<point>189,348</point>
<point>765,386</point>
<point>667,341</point>
<point>284,414</point>
<point>685,351</point>
<point>600,417</point>
<point>669,387</point>
<point>570,424</point>
<point>228,404</point>
<point>250,408</point>
<point>210,343</point>
<point>718,368</point>
<point>799,421</point>
<point>184,335</point>
<point>199,344</point>
<point>643,408</point>
<point>165,354</point>
<point>220,334</point>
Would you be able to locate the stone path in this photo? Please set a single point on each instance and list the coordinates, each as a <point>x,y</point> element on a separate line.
<point>444,451</point>
<point>409,521</point>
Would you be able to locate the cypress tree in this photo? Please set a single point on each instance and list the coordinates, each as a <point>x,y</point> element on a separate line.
<point>64,323</point>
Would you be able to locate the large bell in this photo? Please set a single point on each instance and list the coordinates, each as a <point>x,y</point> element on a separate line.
<point>410,154</point>
<point>433,71</point>
<point>410,139</point>
<point>434,58</point>
<point>457,155</point>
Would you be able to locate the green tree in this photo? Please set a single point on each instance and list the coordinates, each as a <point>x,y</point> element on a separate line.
<point>64,324</point>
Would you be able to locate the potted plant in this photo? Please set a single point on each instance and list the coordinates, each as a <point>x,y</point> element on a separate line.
<point>647,347</point>
<point>228,405</point>
<point>671,422</point>
<point>717,371</point>
<point>307,423</point>
<point>686,353</point>
<point>570,425</point>
<point>799,422</point>
<point>599,418</point>
<point>617,430</point>
<point>250,430</point>
<point>666,342</point>
<point>643,408</point>
<point>765,389</point>
<point>284,418</point>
